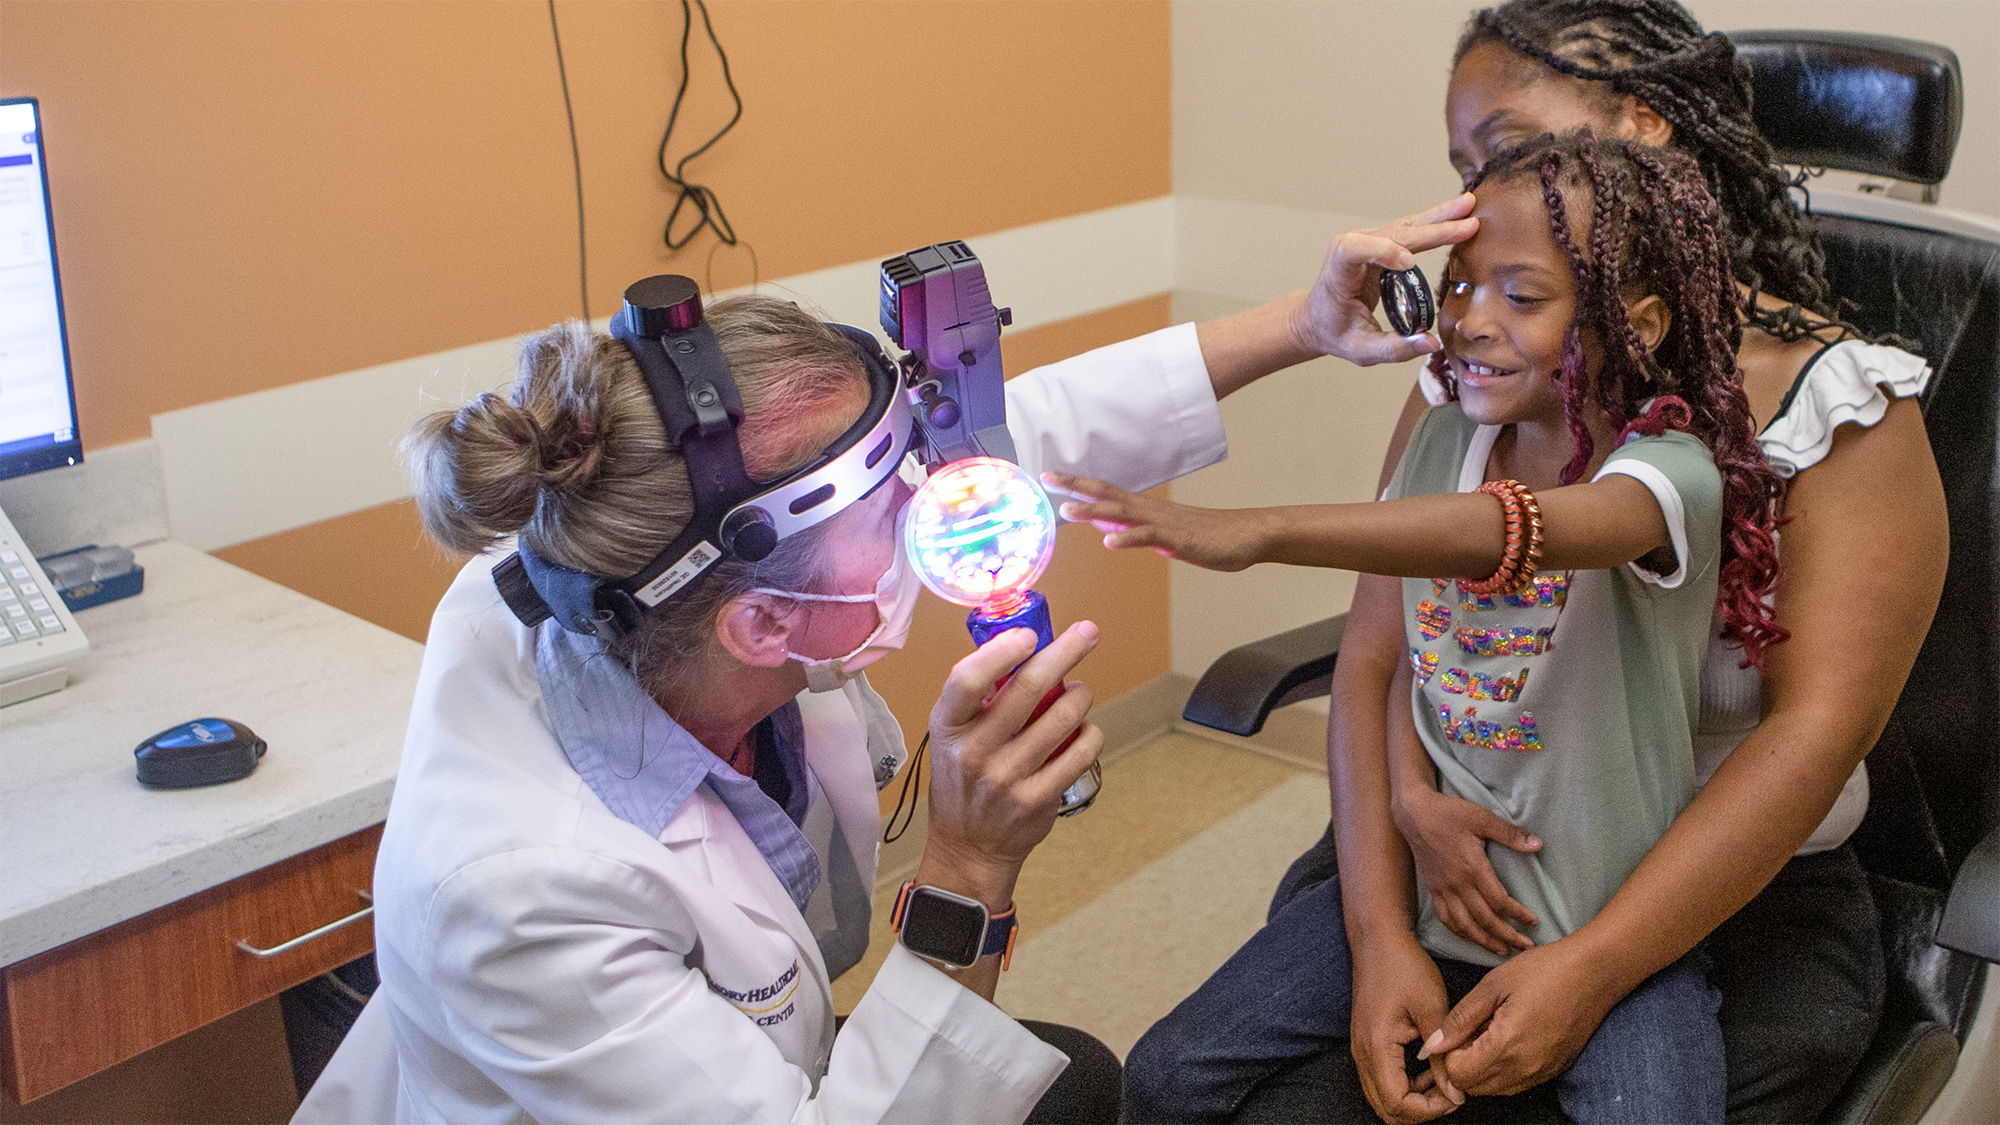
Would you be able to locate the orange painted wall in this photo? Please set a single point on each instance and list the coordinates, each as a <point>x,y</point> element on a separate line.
<point>250,194</point>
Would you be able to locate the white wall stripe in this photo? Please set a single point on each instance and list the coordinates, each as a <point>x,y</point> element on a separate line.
<point>246,467</point>
<point>1045,272</point>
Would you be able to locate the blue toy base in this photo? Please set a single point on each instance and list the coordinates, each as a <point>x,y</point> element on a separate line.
<point>1033,614</point>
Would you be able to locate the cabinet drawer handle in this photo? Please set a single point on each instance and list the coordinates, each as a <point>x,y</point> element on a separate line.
<point>287,947</point>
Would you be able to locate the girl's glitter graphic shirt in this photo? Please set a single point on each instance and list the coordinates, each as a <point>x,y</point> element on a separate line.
<point>1568,706</point>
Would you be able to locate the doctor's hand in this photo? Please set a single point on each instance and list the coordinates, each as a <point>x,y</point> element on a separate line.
<point>1338,315</point>
<point>1213,538</point>
<point>996,777</point>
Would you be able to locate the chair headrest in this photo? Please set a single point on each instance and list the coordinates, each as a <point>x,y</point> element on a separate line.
<point>1874,104</point>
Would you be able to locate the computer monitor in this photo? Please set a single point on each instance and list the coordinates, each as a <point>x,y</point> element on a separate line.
<point>37,394</point>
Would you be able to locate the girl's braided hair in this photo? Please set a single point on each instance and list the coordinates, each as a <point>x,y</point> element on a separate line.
<point>1646,224</point>
<point>1657,52</point>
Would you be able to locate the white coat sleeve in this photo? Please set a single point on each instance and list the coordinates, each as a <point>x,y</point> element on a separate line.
<point>975,1062</point>
<point>568,983</point>
<point>1137,413</point>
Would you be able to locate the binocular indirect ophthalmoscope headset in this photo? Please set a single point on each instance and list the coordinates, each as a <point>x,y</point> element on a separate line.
<point>943,402</point>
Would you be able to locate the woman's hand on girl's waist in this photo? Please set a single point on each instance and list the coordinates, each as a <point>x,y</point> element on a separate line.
<point>1447,837</point>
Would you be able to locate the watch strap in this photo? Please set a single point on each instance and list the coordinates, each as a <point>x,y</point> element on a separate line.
<point>1001,929</point>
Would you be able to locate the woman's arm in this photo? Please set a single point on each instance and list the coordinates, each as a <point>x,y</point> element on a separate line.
<point>1868,528</point>
<point>1593,526</point>
<point>1399,437</point>
<point>1447,837</point>
<point>1398,995</point>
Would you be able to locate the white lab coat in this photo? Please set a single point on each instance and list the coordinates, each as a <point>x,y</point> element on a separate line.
<point>542,959</point>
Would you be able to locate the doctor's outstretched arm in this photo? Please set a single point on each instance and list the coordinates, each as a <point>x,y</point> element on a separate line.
<point>1337,315</point>
<point>1142,412</point>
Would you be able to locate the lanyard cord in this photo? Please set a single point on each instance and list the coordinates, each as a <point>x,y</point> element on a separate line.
<point>912,780</point>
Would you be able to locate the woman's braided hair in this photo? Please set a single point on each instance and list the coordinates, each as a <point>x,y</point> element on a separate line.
<point>1657,52</point>
<point>1647,225</point>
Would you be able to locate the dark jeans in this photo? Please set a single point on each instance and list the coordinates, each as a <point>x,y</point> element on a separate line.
<point>1257,1042</point>
<point>1087,1092</point>
<point>1288,994</point>
<point>1802,978</point>
<point>318,1014</point>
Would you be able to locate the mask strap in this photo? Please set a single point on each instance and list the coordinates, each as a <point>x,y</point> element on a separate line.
<point>798,597</point>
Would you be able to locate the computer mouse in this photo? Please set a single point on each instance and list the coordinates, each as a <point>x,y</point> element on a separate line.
<point>201,752</point>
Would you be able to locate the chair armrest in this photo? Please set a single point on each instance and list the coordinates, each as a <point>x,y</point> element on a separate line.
<point>1907,1063</point>
<point>1241,689</point>
<point>1972,914</point>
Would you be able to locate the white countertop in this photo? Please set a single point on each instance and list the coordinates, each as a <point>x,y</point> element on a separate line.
<point>83,845</point>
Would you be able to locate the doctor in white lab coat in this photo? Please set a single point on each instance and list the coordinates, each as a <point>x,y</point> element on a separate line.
<point>617,883</point>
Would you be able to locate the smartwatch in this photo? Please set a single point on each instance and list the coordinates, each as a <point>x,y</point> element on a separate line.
<point>951,929</point>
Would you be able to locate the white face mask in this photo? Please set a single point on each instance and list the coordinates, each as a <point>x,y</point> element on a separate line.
<point>895,599</point>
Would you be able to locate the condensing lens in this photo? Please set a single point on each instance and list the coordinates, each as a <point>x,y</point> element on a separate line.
<point>1406,300</point>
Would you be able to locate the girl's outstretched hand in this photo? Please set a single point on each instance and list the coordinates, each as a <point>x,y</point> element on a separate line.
<point>1213,538</point>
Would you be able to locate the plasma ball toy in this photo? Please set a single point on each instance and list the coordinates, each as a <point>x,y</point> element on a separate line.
<point>980,532</point>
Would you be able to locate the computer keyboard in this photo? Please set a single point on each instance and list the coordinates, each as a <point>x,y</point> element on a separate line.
<point>39,640</point>
<point>24,602</point>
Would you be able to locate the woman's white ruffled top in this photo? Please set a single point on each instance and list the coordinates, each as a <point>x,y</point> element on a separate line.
<point>1851,381</point>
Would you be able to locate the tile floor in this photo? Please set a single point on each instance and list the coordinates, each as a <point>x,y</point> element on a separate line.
<point>1128,907</point>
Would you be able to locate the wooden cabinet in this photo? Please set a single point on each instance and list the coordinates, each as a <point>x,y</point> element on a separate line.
<point>82,1007</point>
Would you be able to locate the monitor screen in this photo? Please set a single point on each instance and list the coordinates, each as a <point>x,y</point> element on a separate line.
<point>37,399</point>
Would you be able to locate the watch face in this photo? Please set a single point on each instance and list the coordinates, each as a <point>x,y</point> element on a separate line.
<point>944,927</point>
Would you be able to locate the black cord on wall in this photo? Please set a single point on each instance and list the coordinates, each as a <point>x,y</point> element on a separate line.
<point>576,161</point>
<point>697,196</point>
<point>706,205</point>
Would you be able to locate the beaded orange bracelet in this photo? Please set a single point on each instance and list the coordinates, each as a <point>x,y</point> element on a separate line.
<point>1522,556</point>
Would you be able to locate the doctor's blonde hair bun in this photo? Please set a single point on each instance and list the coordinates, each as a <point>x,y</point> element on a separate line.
<point>572,457</point>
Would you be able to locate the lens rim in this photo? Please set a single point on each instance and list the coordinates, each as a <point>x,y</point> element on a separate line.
<point>1408,290</point>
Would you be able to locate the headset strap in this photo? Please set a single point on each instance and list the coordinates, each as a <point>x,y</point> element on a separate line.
<point>700,408</point>
<point>511,576</point>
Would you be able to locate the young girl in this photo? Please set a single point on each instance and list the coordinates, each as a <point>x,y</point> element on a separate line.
<point>1567,526</point>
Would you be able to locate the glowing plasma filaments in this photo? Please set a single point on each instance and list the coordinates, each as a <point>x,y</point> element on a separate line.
<point>980,532</point>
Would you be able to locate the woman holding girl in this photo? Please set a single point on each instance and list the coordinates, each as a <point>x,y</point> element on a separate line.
<point>1589,335</point>
<point>1865,521</point>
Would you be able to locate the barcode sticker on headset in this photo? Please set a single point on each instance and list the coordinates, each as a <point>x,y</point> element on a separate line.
<point>700,558</point>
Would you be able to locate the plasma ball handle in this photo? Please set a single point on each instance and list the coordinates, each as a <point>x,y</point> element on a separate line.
<point>1032,612</point>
